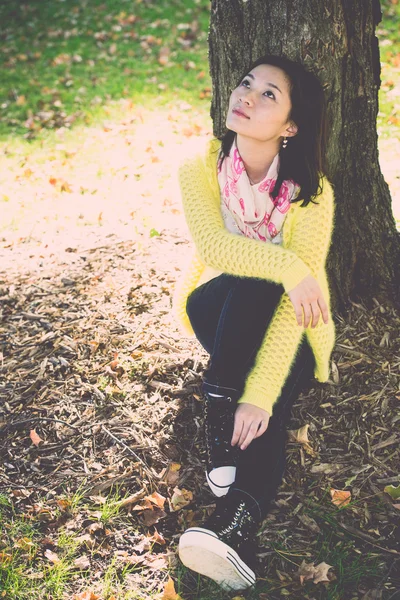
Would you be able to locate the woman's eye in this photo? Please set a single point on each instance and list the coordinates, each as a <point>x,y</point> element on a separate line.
<point>246,81</point>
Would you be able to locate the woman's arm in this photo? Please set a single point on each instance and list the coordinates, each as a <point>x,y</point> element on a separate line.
<point>283,336</point>
<point>233,254</point>
<point>183,286</point>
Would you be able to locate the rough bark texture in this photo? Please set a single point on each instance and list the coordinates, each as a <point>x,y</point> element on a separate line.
<point>336,40</point>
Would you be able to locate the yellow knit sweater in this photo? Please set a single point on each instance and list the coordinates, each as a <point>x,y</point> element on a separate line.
<point>307,234</point>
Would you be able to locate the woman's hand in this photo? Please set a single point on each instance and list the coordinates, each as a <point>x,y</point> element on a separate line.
<point>250,423</point>
<point>307,294</point>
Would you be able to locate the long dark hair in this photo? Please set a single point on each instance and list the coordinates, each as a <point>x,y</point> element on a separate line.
<point>303,160</point>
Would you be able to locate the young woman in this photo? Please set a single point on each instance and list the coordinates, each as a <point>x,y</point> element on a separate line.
<point>255,294</point>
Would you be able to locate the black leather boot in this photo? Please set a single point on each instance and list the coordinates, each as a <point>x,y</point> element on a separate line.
<point>220,404</point>
<point>217,549</point>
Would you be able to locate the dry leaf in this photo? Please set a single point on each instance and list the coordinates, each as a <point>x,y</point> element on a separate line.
<point>163,55</point>
<point>35,438</point>
<point>173,475</point>
<point>180,499</point>
<point>52,557</point>
<point>82,562</point>
<point>299,435</point>
<point>24,543</point>
<point>169,591</point>
<point>89,595</point>
<point>340,497</point>
<point>156,561</point>
<point>65,187</point>
<point>317,574</point>
<point>158,538</point>
<point>157,499</point>
<point>152,516</point>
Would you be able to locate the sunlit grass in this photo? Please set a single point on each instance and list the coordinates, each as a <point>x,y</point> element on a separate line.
<point>64,63</point>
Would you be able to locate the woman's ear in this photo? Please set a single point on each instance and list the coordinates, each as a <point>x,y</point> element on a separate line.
<point>292,130</point>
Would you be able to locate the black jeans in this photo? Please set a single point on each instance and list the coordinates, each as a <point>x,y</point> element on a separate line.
<point>230,316</point>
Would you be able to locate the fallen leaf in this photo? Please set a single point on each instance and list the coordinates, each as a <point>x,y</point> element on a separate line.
<point>180,499</point>
<point>316,574</point>
<point>156,561</point>
<point>82,562</point>
<point>24,543</point>
<point>340,497</point>
<point>169,591</point>
<point>65,187</point>
<point>52,557</point>
<point>34,437</point>
<point>173,475</point>
<point>163,55</point>
<point>158,538</point>
<point>89,595</point>
<point>394,492</point>
<point>299,435</point>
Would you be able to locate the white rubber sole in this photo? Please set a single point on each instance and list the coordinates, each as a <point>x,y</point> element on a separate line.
<point>222,479</point>
<point>202,551</point>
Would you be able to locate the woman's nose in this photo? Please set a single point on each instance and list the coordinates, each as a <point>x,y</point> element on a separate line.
<point>247,97</point>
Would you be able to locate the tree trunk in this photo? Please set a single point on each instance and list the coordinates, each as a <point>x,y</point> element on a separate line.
<point>337,41</point>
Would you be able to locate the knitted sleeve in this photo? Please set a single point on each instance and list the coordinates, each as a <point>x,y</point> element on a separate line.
<point>218,248</point>
<point>311,240</point>
<point>186,282</point>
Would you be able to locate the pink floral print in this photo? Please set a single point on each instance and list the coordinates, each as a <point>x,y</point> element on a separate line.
<point>256,214</point>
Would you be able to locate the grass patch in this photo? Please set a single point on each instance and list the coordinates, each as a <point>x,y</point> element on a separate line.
<point>35,565</point>
<point>389,93</point>
<point>67,62</point>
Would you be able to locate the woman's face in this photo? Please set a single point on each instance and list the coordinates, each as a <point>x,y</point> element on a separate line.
<point>264,97</point>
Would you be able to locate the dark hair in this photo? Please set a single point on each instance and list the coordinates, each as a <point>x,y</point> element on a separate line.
<point>303,160</point>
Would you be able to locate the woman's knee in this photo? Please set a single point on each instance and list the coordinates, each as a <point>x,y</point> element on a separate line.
<point>258,293</point>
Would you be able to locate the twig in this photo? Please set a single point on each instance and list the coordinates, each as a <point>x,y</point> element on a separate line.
<point>147,468</point>
<point>366,537</point>
<point>24,421</point>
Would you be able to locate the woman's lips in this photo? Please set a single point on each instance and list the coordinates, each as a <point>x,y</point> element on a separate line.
<point>239,114</point>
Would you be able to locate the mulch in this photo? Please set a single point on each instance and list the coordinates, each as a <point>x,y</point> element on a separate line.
<point>93,364</point>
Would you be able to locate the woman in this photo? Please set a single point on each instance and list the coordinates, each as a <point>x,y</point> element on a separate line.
<point>261,212</point>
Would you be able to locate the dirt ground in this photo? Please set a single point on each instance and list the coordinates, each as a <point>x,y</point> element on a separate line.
<point>93,364</point>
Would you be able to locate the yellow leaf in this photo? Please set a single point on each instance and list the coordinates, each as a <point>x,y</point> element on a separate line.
<point>180,499</point>
<point>299,435</point>
<point>65,187</point>
<point>169,591</point>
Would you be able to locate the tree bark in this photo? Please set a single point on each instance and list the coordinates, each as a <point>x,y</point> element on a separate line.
<point>336,40</point>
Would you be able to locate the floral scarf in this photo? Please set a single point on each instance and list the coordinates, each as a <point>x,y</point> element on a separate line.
<point>255,212</point>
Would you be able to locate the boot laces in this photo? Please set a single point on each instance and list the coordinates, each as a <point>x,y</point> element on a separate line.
<point>241,518</point>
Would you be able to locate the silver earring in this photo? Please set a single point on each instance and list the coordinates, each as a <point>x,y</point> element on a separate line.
<point>284,142</point>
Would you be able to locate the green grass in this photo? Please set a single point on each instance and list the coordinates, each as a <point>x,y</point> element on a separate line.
<point>389,42</point>
<point>29,572</point>
<point>64,62</point>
